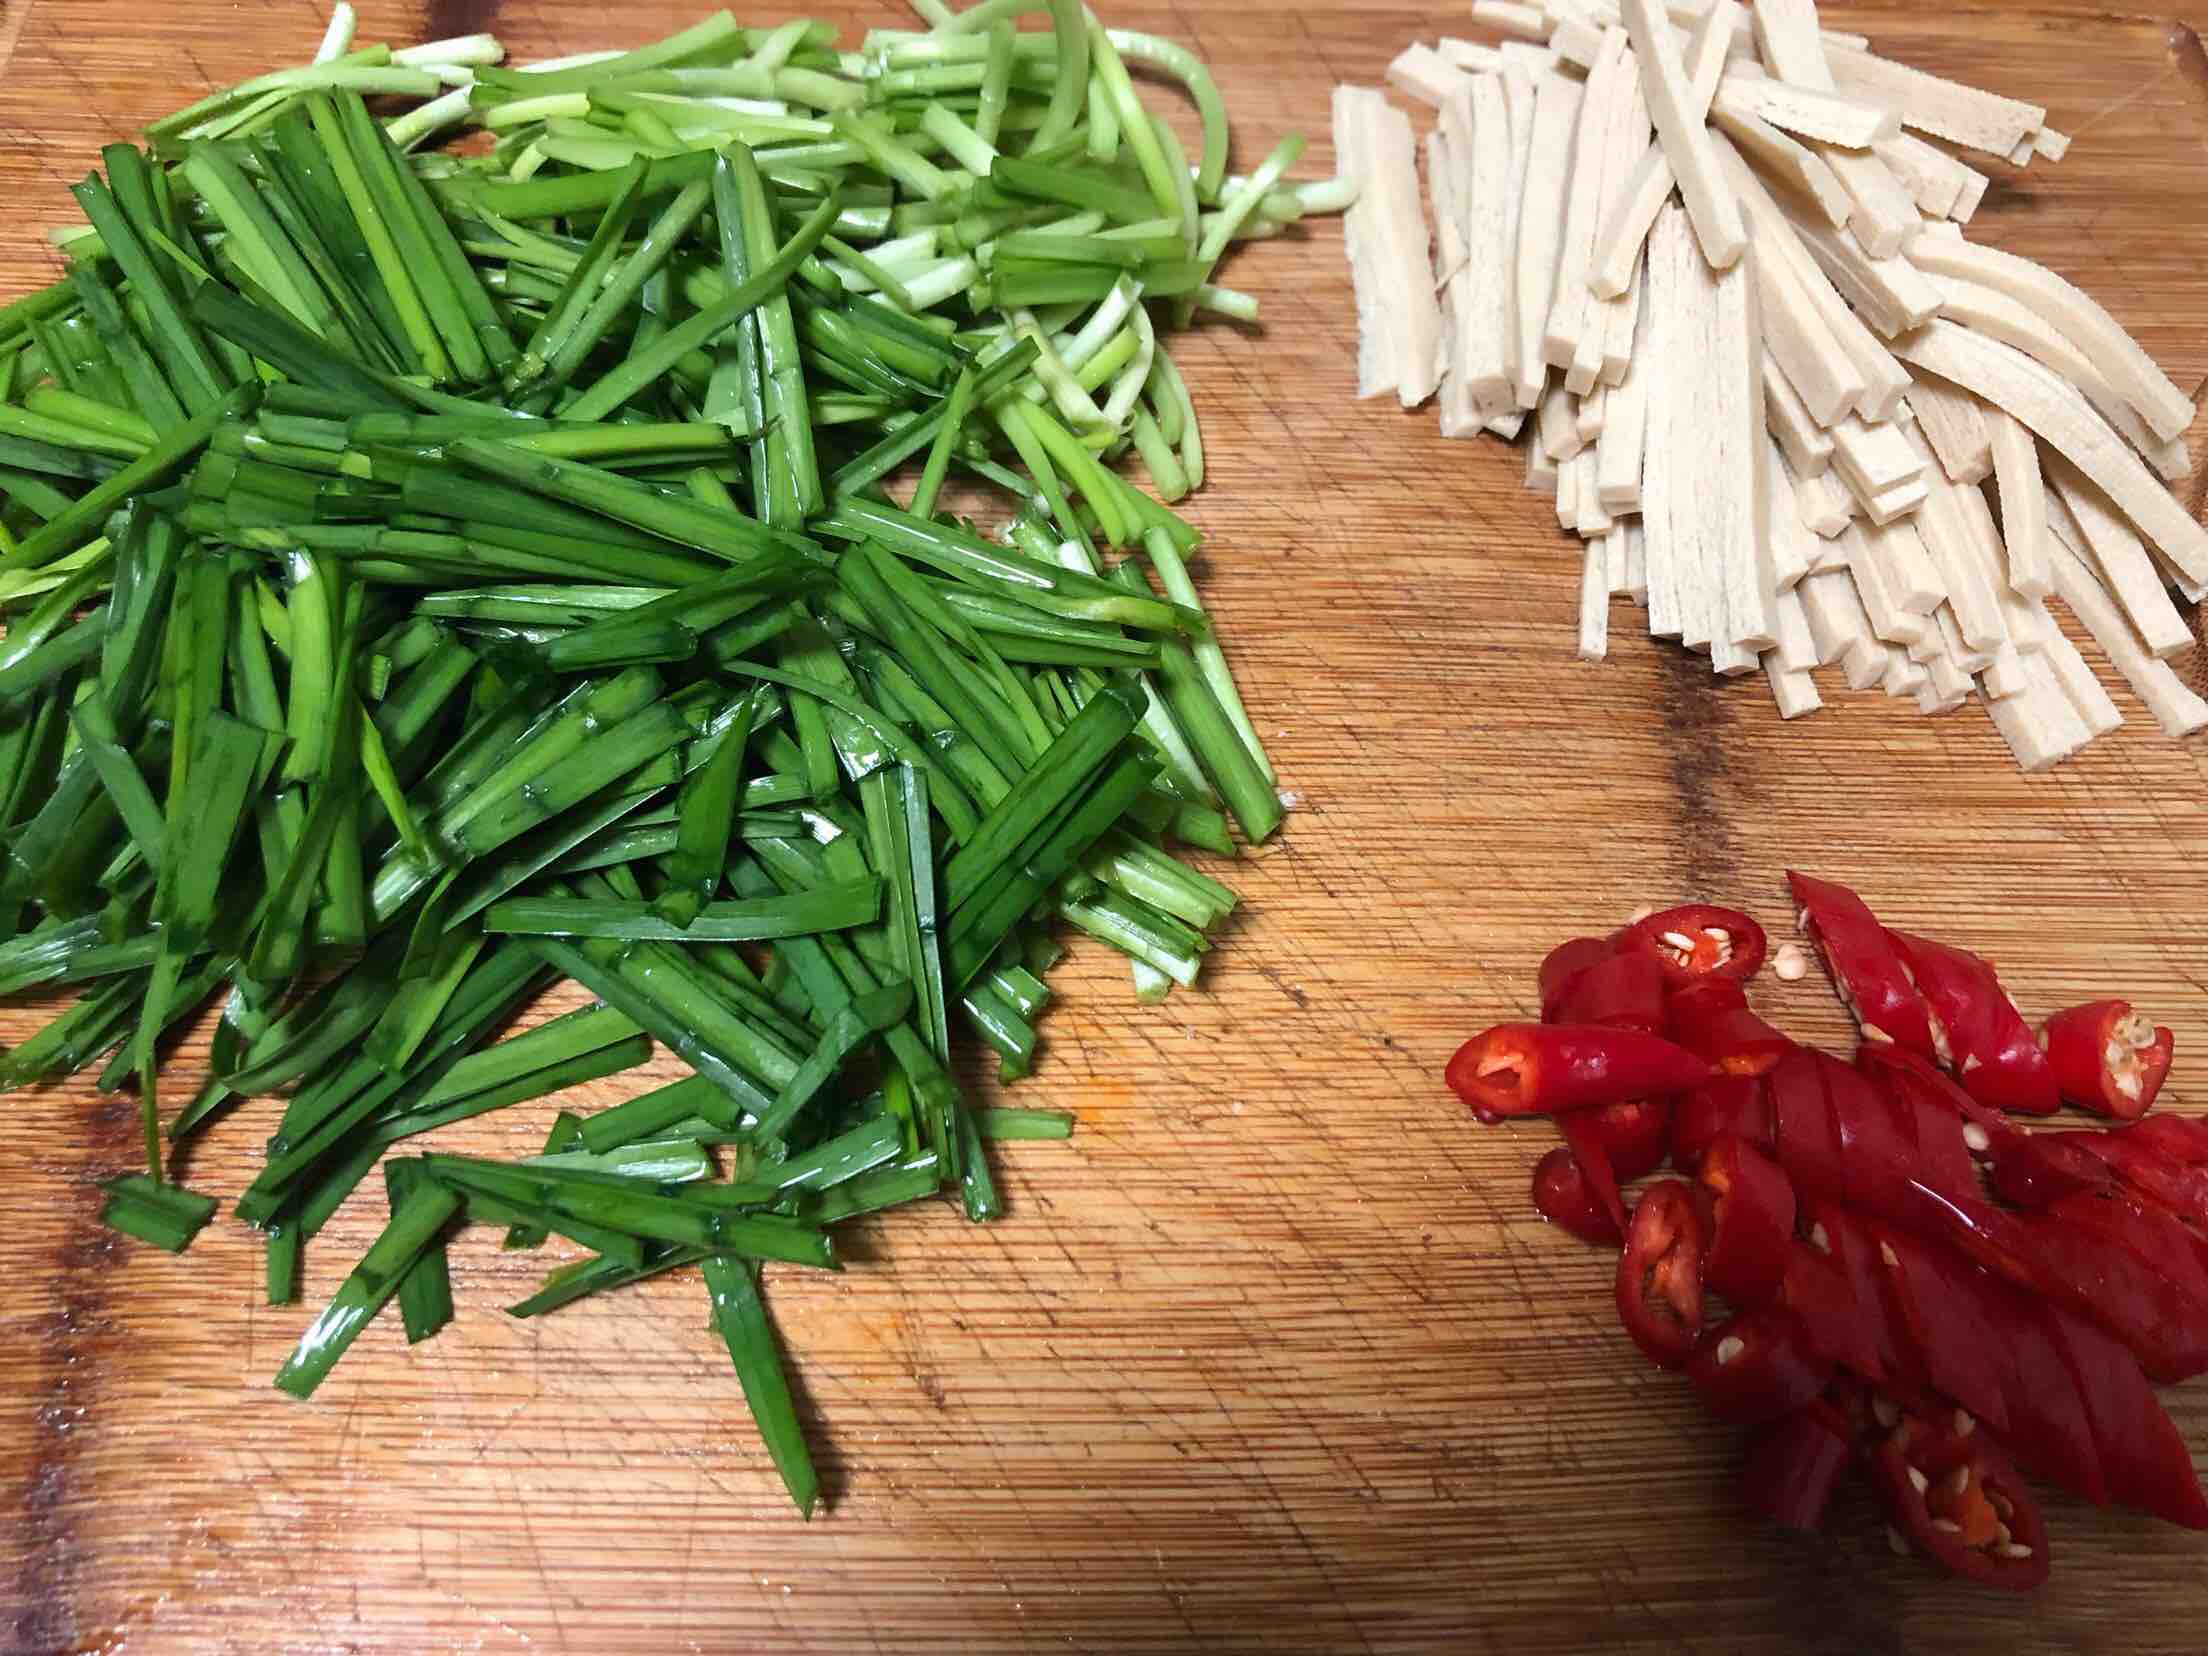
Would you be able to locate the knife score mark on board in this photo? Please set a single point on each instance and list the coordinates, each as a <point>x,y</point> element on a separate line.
<point>1701,778</point>
<point>442,19</point>
<point>65,1376</point>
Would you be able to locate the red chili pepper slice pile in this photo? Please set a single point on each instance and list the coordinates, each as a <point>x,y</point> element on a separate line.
<point>1872,1262</point>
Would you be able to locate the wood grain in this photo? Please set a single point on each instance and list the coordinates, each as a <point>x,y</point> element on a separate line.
<point>1273,1354</point>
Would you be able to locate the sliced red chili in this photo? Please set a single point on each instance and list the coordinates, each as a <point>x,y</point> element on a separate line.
<point>1625,991</point>
<point>1712,1020</point>
<point>2049,1428</point>
<point>1562,966</point>
<point>1660,1275</point>
<point>1593,1157</point>
<point>2108,1058</point>
<point>1636,1134</point>
<point>1977,1028</point>
<point>1808,1146</point>
<point>1878,1345</point>
<point>1736,1104</point>
<point>1959,1501</point>
<point>2147,1174</point>
<point>1756,1367</point>
<point>2034,1169</point>
<point>1837,1323</point>
<point>2099,1281</point>
<point>2183,1139</point>
<point>1698,941</point>
<point>1539,1069</point>
<point>2165,1328</point>
<point>2142,1456</point>
<point>2152,1236</point>
<point>1958,994</point>
<point>1957,1350</point>
<point>1751,1226</point>
<point>1796,1465</point>
<point>1898,1069</point>
<point>1563,1196</point>
<point>1866,969</point>
<point>1877,1135</point>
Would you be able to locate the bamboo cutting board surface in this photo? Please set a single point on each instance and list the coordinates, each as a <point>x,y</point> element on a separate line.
<point>1274,1353</point>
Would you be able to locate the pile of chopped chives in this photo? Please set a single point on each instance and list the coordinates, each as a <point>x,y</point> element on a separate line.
<point>431,576</point>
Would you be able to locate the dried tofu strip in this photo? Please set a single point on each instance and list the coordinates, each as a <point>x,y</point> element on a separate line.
<point>1883,379</point>
<point>1621,328</point>
<point>1594,519</point>
<point>1735,446</point>
<point>2021,619</point>
<point>1794,167</point>
<point>2012,381</point>
<point>1649,185</point>
<point>1827,507</point>
<point>1954,424</point>
<point>1792,546</point>
<point>2166,409</point>
<point>1890,293</point>
<point>1795,692</point>
<point>1624,435</point>
<point>2040,726</point>
<point>2175,707</point>
<point>1632,211</point>
<point>1606,340</point>
<point>1708,194</point>
<point>1567,492</point>
<point>1841,629</point>
<point>1530,60</point>
<point>1570,303</point>
<point>1557,424</point>
<point>1507,17</point>
<point>1541,224</point>
<point>1636,561</point>
<point>1827,117</point>
<point>1668,343</point>
<point>1473,59</point>
<point>1577,41</point>
<point>1795,649</point>
<point>2119,557</point>
<point>1398,319</point>
<point>1594,601</point>
<point>2000,316</point>
<point>1742,29</point>
<point>1882,214</point>
<point>1895,503</point>
<point>1422,74</point>
<point>1874,459</point>
<point>2089,698</point>
<point>1448,163</point>
<point>1593,414</point>
<point>1478,131</point>
<point>1903,676</point>
<point>1808,445</point>
<point>1519,99</point>
<point>1927,103</point>
<point>1541,468</point>
<point>2006,675</point>
<point>1950,541</point>
<point>2026,147</point>
<point>1943,186</point>
<point>2050,144</point>
<point>1788,41</point>
<point>1950,677</point>
<point>1874,552</point>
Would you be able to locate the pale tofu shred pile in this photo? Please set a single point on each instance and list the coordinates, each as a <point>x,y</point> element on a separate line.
<point>1708,261</point>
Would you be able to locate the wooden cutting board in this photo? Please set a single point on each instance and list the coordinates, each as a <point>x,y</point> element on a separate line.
<point>1273,1353</point>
